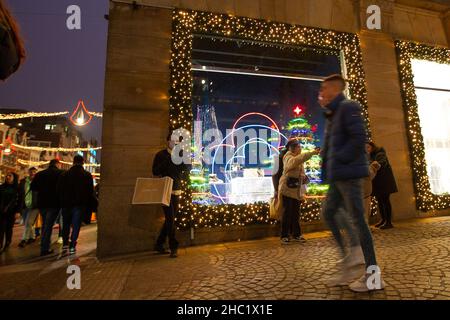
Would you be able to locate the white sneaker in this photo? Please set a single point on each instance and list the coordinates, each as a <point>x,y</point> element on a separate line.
<point>299,239</point>
<point>285,241</point>
<point>344,277</point>
<point>360,285</point>
<point>355,258</point>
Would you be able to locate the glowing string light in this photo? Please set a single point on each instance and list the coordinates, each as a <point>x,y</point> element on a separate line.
<point>12,116</point>
<point>18,146</point>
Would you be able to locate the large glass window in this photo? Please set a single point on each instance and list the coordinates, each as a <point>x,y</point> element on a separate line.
<point>250,98</point>
<point>432,86</point>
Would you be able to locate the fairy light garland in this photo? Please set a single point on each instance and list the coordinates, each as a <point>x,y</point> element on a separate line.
<point>186,23</point>
<point>425,199</point>
<point>45,163</point>
<point>18,146</point>
<point>14,116</point>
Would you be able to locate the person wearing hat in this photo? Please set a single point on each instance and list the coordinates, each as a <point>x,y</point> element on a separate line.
<point>292,189</point>
<point>44,183</point>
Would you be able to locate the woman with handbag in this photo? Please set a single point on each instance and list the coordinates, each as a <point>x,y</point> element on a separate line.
<point>292,189</point>
<point>9,192</point>
<point>12,50</point>
<point>383,185</point>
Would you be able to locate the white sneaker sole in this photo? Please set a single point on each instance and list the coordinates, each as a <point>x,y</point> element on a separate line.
<point>365,289</point>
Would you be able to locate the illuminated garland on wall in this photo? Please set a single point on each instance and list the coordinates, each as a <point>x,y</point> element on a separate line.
<point>425,199</point>
<point>185,24</point>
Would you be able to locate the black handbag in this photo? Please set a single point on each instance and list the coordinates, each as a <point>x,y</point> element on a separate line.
<point>293,182</point>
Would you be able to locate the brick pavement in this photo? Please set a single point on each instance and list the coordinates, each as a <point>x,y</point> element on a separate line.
<point>414,258</point>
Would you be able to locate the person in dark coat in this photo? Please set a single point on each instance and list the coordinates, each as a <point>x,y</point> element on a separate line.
<point>75,191</point>
<point>345,166</point>
<point>9,193</point>
<point>44,183</point>
<point>383,185</point>
<point>163,166</point>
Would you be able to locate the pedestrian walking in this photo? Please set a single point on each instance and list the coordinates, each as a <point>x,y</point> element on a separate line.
<point>292,190</point>
<point>28,207</point>
<point>9,195</point>
<point>344,167</point>
<point>44,184</point>
<point>163,166</point>
<point>75,190</point>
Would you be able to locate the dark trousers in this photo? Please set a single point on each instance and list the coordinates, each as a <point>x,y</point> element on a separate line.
<point>6,228</point>
<point>168,228</point>
<point>49,216</point>
<point>71,218</point>
<point>384,204</point>
<point>290,222</point>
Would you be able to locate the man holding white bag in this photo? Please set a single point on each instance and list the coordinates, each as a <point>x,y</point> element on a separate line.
<point>163,166</point>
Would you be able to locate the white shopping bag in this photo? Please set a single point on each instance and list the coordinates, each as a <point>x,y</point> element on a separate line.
<point>153,191</point>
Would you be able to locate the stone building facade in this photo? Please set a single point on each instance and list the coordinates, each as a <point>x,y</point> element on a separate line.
<point>136,107</point>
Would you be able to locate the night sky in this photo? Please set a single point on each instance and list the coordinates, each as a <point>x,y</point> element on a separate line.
<point>62,66</point>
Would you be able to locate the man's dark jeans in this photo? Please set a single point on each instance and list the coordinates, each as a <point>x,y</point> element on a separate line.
<point>349,194</point>
<point>71,218</point>
<point>168,229</point>
<point>49,216</point>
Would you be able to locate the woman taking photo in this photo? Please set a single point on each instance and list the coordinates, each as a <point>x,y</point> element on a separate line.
<point>292,189</point>
<point>382,185</point>
<point>9,192</point>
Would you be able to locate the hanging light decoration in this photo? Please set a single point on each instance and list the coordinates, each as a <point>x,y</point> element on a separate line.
<point>8,148</point>
<point>81,116</point>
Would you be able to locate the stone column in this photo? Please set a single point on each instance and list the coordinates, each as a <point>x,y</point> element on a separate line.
<point>386,112</point>
<point>135,124</point>
<point>446,23</point>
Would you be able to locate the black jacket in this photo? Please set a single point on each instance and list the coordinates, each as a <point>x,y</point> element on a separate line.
<point>384,181</point>
<point>9,195</point>
<point>344,155</point>
<point>44,183</point>
<point>22,196</point>
<point>75,188</point>
<point>163,166</point>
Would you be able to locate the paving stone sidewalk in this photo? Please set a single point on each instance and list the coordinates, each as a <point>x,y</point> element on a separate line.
<point>414,257</point>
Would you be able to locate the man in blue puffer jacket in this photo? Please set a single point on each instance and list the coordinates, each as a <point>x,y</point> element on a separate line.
<point>344,167</point>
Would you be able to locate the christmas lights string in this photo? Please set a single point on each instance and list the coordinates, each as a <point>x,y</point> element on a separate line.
<point>13,116</point>
<point>425,199</point>
<point>45,163</point>
<point>186,24</point>
<point>57,149</point>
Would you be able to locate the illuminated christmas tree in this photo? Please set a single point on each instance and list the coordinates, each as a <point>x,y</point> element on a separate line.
<point>301,129</point>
